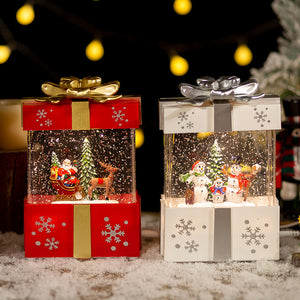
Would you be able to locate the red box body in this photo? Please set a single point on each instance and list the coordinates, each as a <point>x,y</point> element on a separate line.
<point>115,229</point>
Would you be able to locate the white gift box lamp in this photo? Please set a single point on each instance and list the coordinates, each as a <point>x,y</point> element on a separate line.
<point>219,198</point>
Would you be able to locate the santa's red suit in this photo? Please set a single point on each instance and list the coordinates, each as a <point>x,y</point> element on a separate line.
<point>67,174</point>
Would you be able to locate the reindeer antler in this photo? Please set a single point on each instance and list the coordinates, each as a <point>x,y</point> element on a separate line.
<point>106,166</point>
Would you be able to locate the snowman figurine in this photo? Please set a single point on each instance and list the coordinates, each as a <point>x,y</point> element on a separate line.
<point>234,188</point>
<point>197,177</point>
<point>218,190</point>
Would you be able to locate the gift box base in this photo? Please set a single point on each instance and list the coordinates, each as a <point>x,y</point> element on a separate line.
<point>214,233</point>
<point>82,230</point>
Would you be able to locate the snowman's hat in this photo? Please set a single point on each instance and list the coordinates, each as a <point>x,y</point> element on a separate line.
<point>198,162</point>
<point>236,160</point>
<point>291,106</point>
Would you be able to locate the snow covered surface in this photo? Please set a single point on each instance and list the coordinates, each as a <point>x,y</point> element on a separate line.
<point>148,277</point>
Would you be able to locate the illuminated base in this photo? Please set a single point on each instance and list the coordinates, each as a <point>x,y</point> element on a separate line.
<point>216,233</point>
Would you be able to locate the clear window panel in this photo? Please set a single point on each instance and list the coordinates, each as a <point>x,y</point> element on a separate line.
<point>221,168</point>
<point>80,165</point>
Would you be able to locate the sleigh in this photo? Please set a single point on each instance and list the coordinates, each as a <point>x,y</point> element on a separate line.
<point>65,193</point>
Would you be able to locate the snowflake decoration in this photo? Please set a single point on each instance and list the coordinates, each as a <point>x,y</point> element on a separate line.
<point>48,122</point>
<point>183,116</point>
<point>113,233</point>
<point>253,236</point>
<point>191,246</point>
<point>119,115</point>
<point>190,125</point>
<point>41,113</point>
<point>44,224</point>
<point>261,116</point>
<point>51,243</point>
<point>185,227</point>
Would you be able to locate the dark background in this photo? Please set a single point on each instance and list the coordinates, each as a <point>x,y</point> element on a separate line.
<point>138,37</point>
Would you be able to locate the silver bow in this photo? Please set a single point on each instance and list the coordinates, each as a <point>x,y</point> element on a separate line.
<point>226,87</point>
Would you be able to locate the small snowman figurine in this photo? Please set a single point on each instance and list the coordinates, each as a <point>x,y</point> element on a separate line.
<point>234,187</point>
<point>197,177</point>
<point>218,190</point>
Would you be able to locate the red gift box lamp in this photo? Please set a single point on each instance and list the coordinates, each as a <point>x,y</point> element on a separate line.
<point>82,199</point>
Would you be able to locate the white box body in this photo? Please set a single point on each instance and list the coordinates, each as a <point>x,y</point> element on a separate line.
<point>243,233</point>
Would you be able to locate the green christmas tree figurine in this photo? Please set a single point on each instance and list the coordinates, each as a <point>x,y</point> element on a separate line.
<point>87,167</point>
<point>54,160</point>
<point>215,163</point>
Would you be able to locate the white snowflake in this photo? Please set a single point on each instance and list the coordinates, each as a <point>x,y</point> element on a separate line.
<point>44,224</point>
<point>113,233</point>
<point>185,227</point>
<point>51,243</point>
<point>191,246</point>
<point>48,122</point>
<point>41,113</point>
<point>253,236</point>
<point>118,115</point>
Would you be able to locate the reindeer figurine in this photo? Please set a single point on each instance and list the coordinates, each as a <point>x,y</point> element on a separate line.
<point>103,182</point>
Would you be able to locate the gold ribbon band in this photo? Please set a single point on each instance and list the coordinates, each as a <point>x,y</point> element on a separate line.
<point>80,115</point>
<point>82,231</point>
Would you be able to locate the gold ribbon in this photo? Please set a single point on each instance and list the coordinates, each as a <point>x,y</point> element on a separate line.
<point>82,231</point>
<point>75,88</point>
<point>81,115</point>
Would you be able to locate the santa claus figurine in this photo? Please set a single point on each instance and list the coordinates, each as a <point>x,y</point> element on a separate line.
<point>67,173</point>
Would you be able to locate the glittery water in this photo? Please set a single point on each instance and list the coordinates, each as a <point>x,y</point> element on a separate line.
<point>112,147</point>
<point>250,148</point>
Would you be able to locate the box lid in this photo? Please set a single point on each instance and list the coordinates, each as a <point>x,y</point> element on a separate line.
<point>175,116</point>
<point>115,114</point>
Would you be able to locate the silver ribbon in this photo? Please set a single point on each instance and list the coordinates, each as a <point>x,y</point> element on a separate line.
<point>219,92</point>
<point>224,88</point>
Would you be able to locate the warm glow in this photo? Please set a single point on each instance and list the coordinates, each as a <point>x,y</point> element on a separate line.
<point>203,135</point>
<point>182,7</point>
<point>139,137</point>
<point>178,65</point>
<point>4,53</point>
<point>25,14</point>
<point>243,55</point>
<point>94,50</point>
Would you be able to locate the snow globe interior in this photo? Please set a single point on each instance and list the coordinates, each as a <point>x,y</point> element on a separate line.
<point>220,169</point>
<point>81,165</point>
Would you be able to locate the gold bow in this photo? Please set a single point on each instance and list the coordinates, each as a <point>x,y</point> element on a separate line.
<point>85,88</point>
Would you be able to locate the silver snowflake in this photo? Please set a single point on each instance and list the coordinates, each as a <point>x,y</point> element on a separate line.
<point>51,243</point>
<point>260,116</point>
<point>190,125</point>
<point>113,233</point>
<point>253,236</point>
<point>191,246</point>
<point>44,224</point>
<point>183,116</point>
<point>185,227</point>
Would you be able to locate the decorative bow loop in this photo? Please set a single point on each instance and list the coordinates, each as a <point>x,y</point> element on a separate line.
<point>73,87</point>
<point>226,87</point>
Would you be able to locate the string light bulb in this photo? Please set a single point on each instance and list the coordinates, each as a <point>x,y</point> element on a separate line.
<point>182,7</point>
<point>178,65</point>
<point>243,55</point>
<point>25,14</point>
<point>94,50</point>
<point>139,138</point>
<point>4,53</point>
